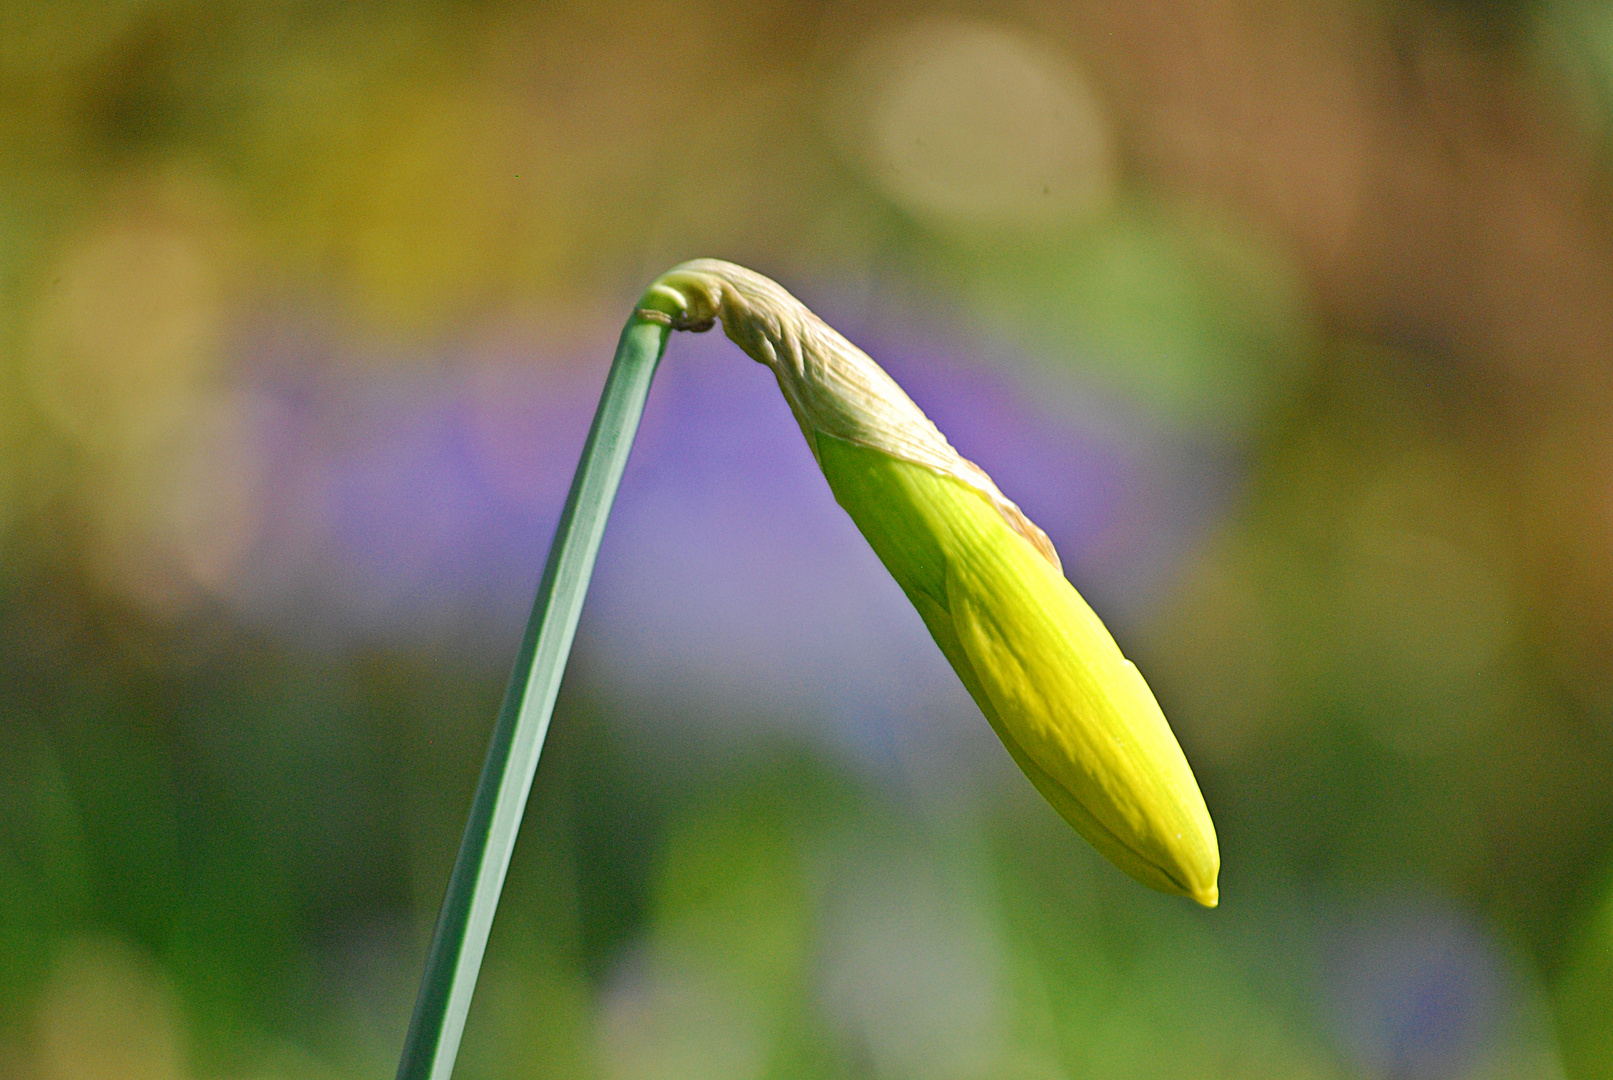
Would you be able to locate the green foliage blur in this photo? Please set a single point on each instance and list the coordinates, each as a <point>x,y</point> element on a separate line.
<point>1361,252</point>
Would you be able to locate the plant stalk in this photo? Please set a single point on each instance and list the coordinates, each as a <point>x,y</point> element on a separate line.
<point>468,907</point>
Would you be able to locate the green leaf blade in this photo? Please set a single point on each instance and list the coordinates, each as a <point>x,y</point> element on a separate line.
<point>466,918</point>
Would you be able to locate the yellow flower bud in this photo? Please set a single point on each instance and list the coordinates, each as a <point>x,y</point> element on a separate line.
<point>1073,712</point>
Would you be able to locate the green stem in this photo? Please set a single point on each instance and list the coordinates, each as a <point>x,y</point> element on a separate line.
<point>512,758</point>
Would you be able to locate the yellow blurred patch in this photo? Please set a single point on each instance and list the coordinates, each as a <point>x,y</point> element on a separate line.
<point>108,1014</point>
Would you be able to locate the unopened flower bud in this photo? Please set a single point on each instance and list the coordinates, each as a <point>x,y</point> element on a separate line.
<point>1073,712</point>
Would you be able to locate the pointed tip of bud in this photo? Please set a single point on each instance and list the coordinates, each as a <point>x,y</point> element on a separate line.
<point>1208,897</point>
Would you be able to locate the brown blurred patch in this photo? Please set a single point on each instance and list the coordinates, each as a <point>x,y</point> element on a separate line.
<point>1422,174</point>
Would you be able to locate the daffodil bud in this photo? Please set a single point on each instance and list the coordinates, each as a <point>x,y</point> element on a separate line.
<point>1073,712</point>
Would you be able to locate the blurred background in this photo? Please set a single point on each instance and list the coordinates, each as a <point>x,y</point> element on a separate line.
<point>1292,323</point>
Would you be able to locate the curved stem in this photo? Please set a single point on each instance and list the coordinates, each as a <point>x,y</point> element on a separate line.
<point>523,720</point>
